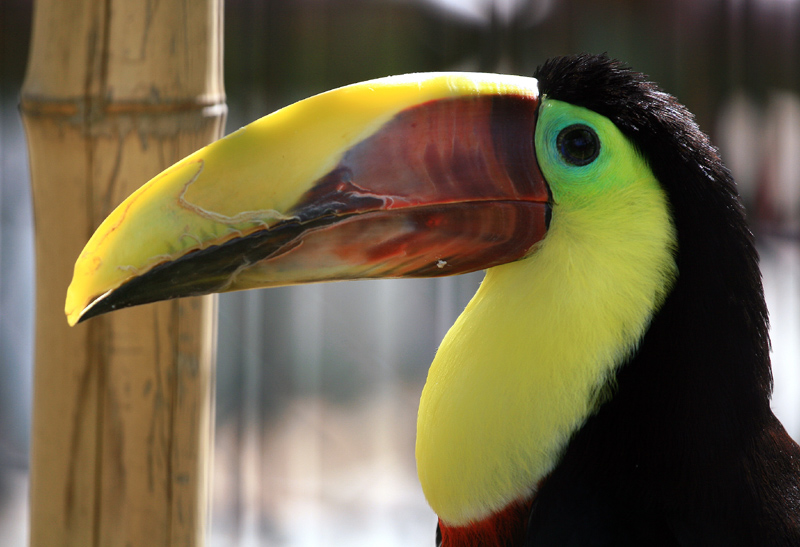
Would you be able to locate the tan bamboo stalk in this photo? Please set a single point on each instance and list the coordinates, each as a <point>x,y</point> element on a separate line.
<point>116,91</point>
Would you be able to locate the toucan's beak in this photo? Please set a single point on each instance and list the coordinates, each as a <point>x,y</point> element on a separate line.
<point>411,176</point>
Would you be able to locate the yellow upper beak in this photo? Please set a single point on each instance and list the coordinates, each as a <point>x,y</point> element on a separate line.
<point>424,174</point>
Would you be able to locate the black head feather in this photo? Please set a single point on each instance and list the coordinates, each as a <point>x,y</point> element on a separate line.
<point>717,261</point>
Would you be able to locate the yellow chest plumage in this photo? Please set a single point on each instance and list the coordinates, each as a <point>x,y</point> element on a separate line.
<point>520,370</point>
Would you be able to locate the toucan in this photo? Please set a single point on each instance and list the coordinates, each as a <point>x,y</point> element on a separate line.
<point>609,382</point>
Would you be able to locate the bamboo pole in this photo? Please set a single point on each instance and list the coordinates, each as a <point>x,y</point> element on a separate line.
<point>115,92</point>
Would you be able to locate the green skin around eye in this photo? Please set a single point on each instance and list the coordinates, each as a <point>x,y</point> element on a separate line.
<point>616,168</point>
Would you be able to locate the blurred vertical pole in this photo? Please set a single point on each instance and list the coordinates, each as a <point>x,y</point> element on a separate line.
<point>116,91</point>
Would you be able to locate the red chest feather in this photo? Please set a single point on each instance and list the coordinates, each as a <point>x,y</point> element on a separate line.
<point>503,529</point>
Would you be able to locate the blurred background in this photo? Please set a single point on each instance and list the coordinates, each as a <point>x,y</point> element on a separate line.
<point>318,386</point>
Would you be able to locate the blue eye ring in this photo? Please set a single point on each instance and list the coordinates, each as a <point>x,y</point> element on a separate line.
<point>578,144</point>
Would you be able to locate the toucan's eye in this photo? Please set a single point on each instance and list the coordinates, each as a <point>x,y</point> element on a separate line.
<point>578,144</point>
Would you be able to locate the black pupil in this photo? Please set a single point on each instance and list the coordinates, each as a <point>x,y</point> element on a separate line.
<point>578,144</point>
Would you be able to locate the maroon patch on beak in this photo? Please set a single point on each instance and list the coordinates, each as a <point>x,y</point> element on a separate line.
<point>451,186</point>
<point>448,151</point>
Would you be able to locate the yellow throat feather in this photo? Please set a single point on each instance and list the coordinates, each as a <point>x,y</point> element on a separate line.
<point>520,370</point>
